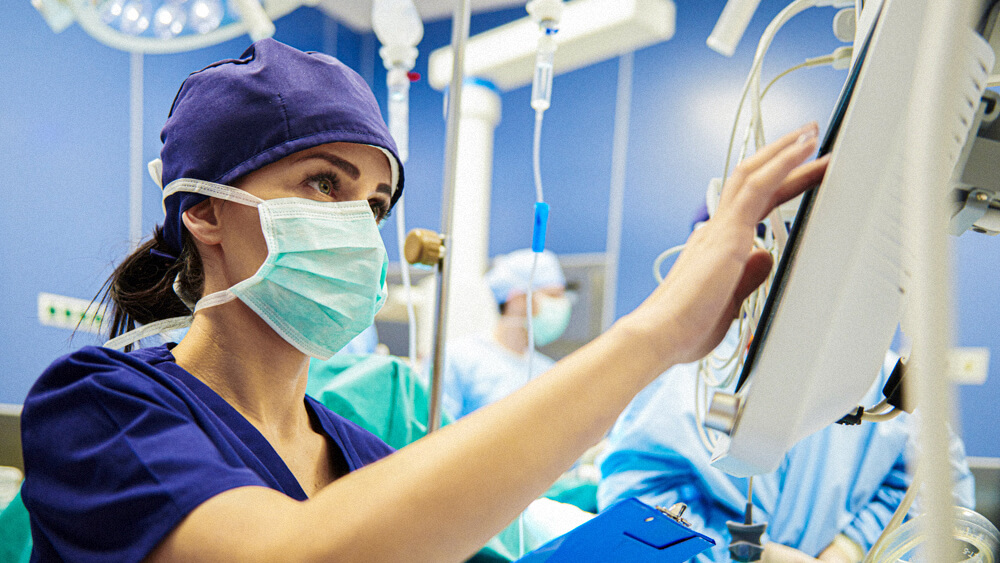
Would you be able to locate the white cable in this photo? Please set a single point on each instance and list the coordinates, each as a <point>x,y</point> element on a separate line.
<point>404,269</point>
<point>753,79</point>
<point>879,407</point>
<point>660,259</point>
<point>896,519</point>
<point>775,239</point>
<point>888,415</point>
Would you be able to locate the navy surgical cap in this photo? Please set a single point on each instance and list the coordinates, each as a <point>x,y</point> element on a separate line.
<point>238,115</point>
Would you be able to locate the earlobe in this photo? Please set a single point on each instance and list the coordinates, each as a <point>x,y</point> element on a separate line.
<point>202,221</point>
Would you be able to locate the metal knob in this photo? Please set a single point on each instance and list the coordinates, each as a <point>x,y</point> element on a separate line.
<point>722,412</point>
<point>423,246</point>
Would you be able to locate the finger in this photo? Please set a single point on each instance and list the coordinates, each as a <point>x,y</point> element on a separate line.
<point>763,185</point>
<point>765,154</point>
<point>805,176</point>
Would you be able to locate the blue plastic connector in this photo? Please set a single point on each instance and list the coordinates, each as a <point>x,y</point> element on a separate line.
<point>541,225</point>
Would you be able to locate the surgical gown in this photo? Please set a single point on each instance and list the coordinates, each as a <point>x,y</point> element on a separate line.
<point>843,479</point>
<point>479,371</point>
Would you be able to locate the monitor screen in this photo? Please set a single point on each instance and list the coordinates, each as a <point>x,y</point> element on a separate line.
<point>840,285</point>
<point>802,216</point>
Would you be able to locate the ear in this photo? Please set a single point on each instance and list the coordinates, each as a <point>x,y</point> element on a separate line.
<point>202,221</point>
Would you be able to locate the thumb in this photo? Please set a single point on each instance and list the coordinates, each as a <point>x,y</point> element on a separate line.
<point>755,271</point>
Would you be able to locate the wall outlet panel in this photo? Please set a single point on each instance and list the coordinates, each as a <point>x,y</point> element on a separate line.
<point>969,366</point>
<point>70,312</point>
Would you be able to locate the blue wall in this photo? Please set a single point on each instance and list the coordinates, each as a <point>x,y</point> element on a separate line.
<point>64,168</point>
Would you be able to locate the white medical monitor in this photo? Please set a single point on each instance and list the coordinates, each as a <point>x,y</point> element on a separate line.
<point>835,303</point>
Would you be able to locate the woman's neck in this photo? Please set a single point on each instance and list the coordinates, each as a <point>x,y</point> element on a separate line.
<point>241,358</point>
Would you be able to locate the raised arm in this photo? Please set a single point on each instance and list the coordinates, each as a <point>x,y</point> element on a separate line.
<point>444,496</point>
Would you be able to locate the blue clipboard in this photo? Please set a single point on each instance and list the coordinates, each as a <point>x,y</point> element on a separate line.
<point>627,531</point>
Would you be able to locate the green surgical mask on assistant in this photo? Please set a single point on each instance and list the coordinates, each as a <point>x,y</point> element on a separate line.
<point>552,318</point>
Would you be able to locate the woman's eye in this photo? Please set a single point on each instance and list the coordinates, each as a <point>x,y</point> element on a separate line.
<point>380,209</point>
<point>325,185</point>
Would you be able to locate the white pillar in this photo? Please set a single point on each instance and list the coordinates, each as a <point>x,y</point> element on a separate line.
<point>471,307</point>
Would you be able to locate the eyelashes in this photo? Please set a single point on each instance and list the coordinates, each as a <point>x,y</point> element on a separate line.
<point>380,208</point>
<point>328,185</point>
<point>324,183</point>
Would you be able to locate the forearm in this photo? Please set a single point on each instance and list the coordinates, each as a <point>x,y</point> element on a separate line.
<point>456,493</point>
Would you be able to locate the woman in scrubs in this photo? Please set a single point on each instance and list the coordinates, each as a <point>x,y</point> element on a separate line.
<point>276,168</point>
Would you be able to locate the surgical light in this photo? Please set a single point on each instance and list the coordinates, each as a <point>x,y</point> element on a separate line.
<point>111,10</point>
<point>169,20</point>
<point>206,15</point>
<point>135,17</point>
<point>166,26</point>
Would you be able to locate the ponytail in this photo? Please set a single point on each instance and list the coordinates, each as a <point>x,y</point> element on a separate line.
<point>141,289</point>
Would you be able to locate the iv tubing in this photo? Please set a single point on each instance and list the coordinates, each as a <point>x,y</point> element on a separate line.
<point>459,37</point>
<point>541,96</point>
<point>399,115</point>
<point>536,161</point>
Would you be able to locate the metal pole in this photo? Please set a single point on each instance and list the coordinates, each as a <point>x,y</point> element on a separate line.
<point>935,81</point>
<point>135,150</point>
<point>619,154</point>
<point>459,36</point>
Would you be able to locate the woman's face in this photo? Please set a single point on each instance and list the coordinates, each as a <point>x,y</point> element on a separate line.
<point>331,172</point>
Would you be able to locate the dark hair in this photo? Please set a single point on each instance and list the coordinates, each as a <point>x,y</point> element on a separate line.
<point>141,289</point>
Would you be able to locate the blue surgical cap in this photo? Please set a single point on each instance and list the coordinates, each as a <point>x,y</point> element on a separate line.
<point>511,273</point>
<point>238,115</point>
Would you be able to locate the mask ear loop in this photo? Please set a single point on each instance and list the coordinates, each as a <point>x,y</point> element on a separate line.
<point>145,331</point>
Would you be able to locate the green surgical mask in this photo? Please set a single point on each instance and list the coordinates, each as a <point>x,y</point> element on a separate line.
<point>324,276</point>
<point>552,318</point>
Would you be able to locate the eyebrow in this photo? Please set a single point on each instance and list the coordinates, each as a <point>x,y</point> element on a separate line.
<point>348,168</point>
<point>384,189</point>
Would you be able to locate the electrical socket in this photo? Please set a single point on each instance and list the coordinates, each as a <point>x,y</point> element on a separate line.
<point>969,366</point>
<point>70,312</point>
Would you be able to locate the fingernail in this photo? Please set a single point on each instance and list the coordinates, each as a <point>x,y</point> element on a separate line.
<point>806,137</point>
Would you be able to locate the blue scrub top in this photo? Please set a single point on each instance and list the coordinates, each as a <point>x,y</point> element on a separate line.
<point>120,447</point>
<point>479,371</point>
